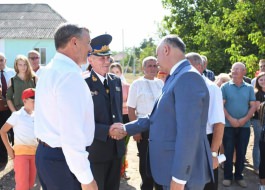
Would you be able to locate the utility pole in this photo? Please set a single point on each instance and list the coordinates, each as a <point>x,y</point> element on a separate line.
<point>122,47</point>
<point>134,60</point>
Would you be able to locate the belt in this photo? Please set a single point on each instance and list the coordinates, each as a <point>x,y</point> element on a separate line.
<point>45,144</point>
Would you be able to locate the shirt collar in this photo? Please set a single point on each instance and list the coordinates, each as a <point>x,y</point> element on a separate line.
<point>6,69</point>
<point>68,61</point>
<point>204,77</point>
<point>101,78</point>
<point>176,66</point>
<point>242,84</point>
<point>24,113</point>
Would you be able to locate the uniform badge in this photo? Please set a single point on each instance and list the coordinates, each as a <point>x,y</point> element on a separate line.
<point>94,79</point>
<point>107,91</point>
<point>118,89</point>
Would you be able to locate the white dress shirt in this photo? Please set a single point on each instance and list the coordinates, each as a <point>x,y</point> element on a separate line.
<point>8,73</point>
<point>64,113</point>
<point>253,82</point>
<point>216,110</point>
<point>39,71</point>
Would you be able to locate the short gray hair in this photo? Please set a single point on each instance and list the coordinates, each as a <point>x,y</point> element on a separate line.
<point>175,41</point>
<point>195,58</point>
<point>147,59</point>
<point>33,51</point>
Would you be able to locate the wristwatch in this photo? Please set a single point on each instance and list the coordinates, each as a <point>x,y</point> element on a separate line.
<point>214,154</point>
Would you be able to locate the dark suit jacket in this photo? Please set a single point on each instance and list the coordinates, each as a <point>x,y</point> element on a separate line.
<point>178,144</point>
<point>107,110</point>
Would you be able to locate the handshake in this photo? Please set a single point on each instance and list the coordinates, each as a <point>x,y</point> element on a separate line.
<point>116,131</point>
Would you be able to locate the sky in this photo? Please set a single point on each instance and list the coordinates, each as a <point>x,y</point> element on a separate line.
<point>128,21</point>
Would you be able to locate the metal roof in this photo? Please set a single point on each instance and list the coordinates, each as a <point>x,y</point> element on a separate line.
<point>28,21</point>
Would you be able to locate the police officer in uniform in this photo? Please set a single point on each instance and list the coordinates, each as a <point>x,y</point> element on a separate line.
<point>105,153</point>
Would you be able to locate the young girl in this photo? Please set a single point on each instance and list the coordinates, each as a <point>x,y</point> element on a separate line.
<point>25,78</point>
<point>259,137</point>
<point>23,152</point>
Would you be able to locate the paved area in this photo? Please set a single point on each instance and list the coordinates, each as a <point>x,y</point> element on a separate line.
<point>7,175</point>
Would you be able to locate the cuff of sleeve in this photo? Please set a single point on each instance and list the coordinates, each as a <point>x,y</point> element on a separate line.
<point>85,177</point>
<point>179,181</point>
<point>124,128</point>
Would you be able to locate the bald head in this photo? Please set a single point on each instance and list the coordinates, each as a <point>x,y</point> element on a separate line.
<point>170,51</point>
<point>175,41</point>
<point>238,71</point>
<point>239,65</point>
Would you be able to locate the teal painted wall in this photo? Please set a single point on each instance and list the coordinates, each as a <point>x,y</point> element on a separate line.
<point>13,47</point>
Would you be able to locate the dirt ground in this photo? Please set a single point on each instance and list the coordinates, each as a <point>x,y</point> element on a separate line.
<point>7,175</point>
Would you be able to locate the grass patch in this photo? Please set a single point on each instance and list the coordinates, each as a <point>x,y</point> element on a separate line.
<point>130,77</point>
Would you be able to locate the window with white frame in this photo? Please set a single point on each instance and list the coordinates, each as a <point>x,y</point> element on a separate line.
<point>42,52</point>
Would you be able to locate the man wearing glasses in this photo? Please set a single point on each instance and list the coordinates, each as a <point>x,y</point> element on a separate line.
<point>34,59</point>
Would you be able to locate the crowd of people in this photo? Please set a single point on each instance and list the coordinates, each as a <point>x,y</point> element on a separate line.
<point>72,130</point>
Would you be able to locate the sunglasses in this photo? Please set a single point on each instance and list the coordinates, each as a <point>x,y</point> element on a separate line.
<point>33,58</point>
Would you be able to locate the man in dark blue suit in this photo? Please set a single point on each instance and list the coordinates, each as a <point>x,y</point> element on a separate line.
<point>105,153</point>
<point>180,155</point>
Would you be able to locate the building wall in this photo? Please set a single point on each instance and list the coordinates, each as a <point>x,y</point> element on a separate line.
<point>13,47</point>
<point>2,45</point>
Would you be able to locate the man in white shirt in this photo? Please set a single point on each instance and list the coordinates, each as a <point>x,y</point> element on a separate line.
<point>64,119</point>
<point>5,75</point>
<point>141,98</point>
<point>34,59</point>
<point>216,117</point>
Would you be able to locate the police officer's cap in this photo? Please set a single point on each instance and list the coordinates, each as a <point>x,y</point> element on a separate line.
<point>100,45</point>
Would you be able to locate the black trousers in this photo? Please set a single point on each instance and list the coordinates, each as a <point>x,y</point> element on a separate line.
<point>107,174</point>
<point>4,115</point>
<point>53,171</point>
<point>213,185</point>
<point>148,182</point>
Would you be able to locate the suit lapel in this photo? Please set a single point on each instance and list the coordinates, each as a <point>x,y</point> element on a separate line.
<point>98,84</point>
<point>112,87</point>
<point>179,68</point>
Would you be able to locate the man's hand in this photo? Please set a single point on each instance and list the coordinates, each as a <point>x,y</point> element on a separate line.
<point>234,122</point>
<point>176,186</point>
<point>116,131</point>
<point>91,186</point>
<point>215,162</point>
<point>137,137</point>
<point>242,122</point>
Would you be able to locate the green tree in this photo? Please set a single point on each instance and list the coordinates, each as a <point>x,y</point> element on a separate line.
<point>226,31</point>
